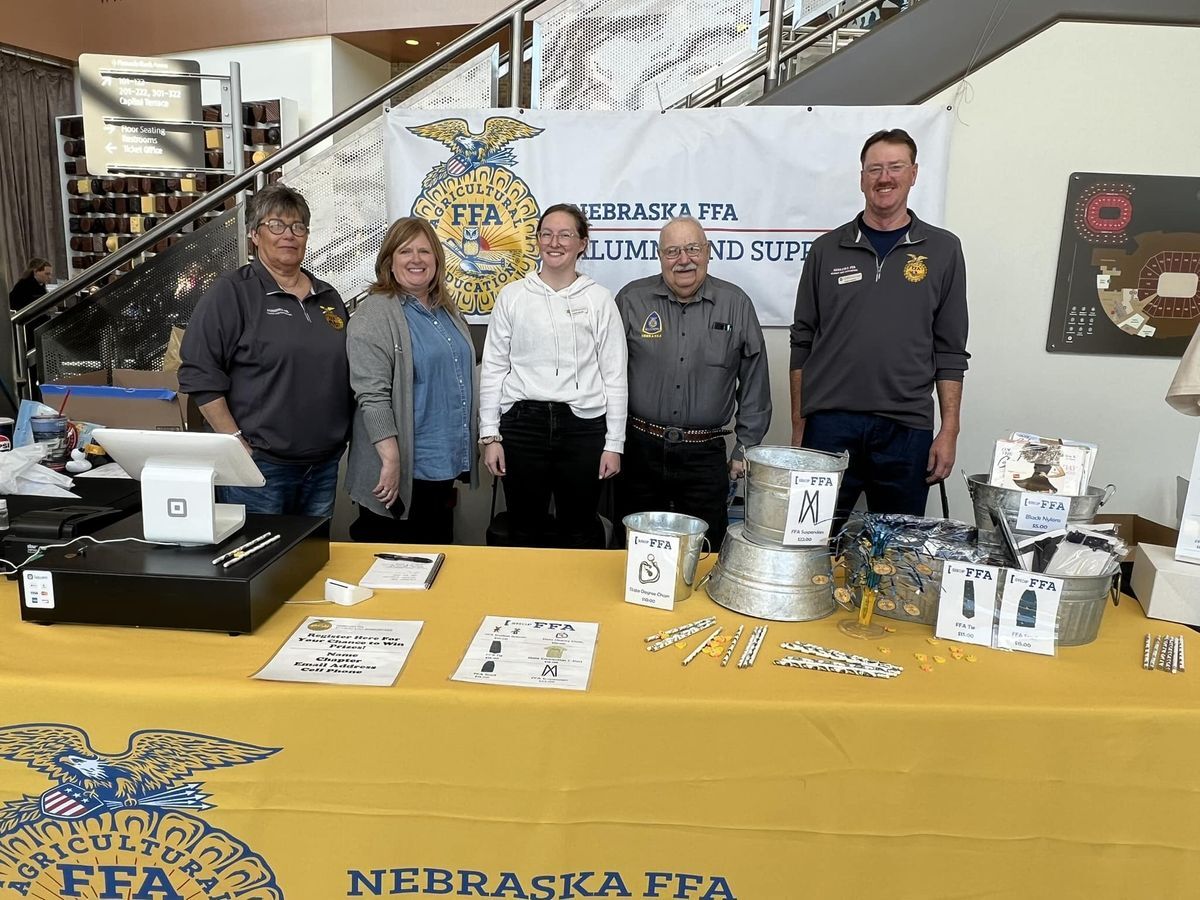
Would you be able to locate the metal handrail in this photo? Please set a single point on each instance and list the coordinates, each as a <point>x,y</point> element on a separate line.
<point>762,68</point>
<point>511,17</point>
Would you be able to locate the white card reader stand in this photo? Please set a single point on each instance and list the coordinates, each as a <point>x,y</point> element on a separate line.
<point>178,505</point>
<point>178,471</point>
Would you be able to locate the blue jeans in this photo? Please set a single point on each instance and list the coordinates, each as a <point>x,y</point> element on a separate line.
<point>887,460</point>
<point>291,490</point>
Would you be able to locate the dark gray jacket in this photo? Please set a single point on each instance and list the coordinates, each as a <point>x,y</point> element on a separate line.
<point>873,335</point>
<point>279,362</point>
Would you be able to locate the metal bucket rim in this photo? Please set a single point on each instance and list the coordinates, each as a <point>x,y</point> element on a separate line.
<point>981,480</point>
<point>763,455</point>
<point>632,525</point>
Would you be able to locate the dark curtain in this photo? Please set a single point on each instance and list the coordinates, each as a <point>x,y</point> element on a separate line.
<point>31,218</point>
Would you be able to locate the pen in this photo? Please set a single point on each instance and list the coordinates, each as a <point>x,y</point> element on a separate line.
<point>240,549</point>
<point>251,551</point>
<point>396,557</point>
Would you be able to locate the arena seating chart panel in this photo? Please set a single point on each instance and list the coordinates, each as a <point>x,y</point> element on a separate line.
<point>1128,266</point>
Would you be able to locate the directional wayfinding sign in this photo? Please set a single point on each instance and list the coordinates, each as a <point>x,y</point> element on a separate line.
<point>139,113</point>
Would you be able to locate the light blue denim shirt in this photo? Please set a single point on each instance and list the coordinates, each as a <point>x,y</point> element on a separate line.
<point>442,363</point>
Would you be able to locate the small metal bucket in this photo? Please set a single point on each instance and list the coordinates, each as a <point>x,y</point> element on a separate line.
<point>987,497</point>
<point>783,584</point>
<point>769,481</point>
<point>689,529</point>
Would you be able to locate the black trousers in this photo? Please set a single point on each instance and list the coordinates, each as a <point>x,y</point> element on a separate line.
<point>430,518</point>
<point>551,452</point>
<point>693,479</point>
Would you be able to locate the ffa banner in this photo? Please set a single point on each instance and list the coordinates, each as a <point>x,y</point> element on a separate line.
<point>764,182</point>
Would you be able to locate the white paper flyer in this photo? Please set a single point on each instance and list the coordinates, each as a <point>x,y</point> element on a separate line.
<point>524,652</point>
<point>325,650</point>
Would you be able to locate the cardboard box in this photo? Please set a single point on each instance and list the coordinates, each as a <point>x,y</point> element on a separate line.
<point>122,398</point>
<point>1166,588</point>
<point>1135,530</point>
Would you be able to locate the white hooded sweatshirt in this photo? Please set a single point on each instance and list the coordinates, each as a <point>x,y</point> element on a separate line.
<point>556,346</point>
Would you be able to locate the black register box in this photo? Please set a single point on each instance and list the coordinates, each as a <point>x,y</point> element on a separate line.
<point>132,583</point>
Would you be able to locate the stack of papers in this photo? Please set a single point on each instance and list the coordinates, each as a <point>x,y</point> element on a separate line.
<point>403,571</point>
<point>1030,462</point>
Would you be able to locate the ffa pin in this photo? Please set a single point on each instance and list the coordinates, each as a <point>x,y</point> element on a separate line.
<point>915,269</point>
<point>333,318</point>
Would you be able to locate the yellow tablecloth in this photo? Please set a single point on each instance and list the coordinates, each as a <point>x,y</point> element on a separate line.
<point>1013,776</point>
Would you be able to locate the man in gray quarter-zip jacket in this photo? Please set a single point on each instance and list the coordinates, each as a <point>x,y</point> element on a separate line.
<point>881,322</point>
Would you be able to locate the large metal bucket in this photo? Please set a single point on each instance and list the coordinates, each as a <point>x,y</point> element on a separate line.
<point>689,529</point>
<point>784,584</point>
<point>1080,608</point>
<point>768,484</point>
<point>1082,604</point>
<point>987,497</point>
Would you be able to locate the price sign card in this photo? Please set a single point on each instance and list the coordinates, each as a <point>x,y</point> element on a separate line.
<point>1029,612</point>
<point>1043,512</point>
<point>967,609</point>
<point>534,653</point>
<point>651,565</point>
<point>811,500</point>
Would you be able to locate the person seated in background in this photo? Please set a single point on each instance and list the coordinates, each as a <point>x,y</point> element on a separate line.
<point>32,283</point>
<point>696,355</point>
<point>553,392</point>
<point>412,367</point>
<point>264,357</point>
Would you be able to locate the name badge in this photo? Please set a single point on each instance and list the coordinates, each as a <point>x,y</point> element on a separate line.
<point>847,279</point>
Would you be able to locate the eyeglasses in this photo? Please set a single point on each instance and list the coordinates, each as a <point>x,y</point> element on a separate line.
<point>892,169</point>
<point>693,250</point>
<point>563,236</point>
<point>278,226</point>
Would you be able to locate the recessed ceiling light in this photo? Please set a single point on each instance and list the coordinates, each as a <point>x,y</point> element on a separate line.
<point>412,42</point>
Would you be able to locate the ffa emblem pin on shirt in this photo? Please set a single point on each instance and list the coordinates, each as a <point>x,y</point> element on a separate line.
<point>339,323</point>
<point>652,327</point>
<point>915,269</point>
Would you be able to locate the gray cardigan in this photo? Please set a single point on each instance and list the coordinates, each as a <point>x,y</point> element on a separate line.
<point>381,374</point>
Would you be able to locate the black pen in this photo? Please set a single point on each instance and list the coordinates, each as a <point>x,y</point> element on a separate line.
<point>396,557</point>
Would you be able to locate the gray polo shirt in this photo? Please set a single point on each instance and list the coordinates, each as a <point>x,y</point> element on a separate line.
<point>690,363</point>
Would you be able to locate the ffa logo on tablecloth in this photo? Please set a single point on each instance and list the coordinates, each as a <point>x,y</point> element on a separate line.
<point>484,213</point>
<point>333,318</point>
<point>125,818</point>
<point>915,269</point>
<point>652,327</point>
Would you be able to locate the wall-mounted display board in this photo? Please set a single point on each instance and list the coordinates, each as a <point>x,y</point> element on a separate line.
<point>1128,266</point>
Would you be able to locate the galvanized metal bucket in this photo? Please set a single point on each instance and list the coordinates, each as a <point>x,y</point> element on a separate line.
<point>688,529</point>
<point>1082,604</point>
<point>1080,608</point>
<point>783,584</point>
<point>768,485</point>
<point>986,497</point>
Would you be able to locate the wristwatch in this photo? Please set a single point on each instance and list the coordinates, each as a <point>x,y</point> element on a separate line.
<point>490,439</point>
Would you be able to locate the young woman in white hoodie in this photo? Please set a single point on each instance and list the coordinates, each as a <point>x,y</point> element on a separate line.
<point>553,391</point>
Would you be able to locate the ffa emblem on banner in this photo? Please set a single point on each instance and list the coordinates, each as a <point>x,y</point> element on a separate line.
<point>652,327</point>
<point>482,210</point>
<point>915,269</point>
<point>130,813</point>
<point>333,318</point>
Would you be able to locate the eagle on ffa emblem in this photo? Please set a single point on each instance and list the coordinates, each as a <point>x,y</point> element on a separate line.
<point>148,773</point>
<point>915,269</point>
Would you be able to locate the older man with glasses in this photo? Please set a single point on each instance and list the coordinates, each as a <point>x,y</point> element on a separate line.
<point>696,362</point>
<point>264,357</point>
<point>881,322</point>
